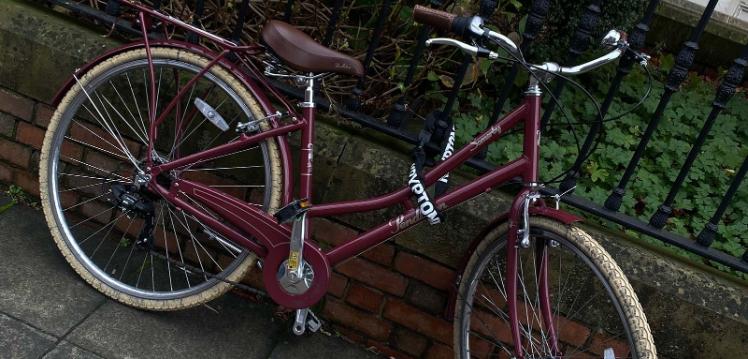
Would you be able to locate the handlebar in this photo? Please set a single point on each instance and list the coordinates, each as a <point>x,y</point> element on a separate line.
<point>472,27</point>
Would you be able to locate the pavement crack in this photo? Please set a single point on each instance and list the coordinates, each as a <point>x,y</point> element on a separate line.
<point>76,325</point>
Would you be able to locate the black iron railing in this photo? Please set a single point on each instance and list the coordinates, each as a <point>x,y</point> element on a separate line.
<point>398,116</point>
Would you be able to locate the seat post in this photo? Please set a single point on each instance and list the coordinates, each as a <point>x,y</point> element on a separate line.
<point>308,92</point>
<point>307,139</point>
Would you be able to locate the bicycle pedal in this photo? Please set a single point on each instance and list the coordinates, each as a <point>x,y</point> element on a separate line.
<point>291,210</point>
<point>313,323</point>
<point>306,320</point>
<point>299,324</point>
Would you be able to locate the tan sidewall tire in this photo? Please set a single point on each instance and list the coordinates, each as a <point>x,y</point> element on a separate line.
<point>622,289</point>
<point>209,293</point>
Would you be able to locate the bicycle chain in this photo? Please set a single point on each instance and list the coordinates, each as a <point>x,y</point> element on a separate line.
<point>196,270</point>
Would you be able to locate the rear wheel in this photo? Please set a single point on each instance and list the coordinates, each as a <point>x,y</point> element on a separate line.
<point>96,144</point>
<point>595,312</point>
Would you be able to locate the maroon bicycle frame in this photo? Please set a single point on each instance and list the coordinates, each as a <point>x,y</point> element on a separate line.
<point>251,227</point>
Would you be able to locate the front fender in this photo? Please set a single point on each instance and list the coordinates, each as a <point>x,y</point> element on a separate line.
<point>542,211</point>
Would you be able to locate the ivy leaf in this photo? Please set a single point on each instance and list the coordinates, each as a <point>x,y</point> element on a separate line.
<point>431,76</point>
<point>447,81</point>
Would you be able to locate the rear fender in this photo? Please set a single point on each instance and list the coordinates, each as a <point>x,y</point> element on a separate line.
<point>541,211</point>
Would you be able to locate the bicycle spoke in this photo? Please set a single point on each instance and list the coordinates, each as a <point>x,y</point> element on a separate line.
<point>137,106</point>
<point>86,201</point>
<point>122,238</point>
<point>179,249</point>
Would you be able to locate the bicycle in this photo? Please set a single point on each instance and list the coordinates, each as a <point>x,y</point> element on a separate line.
<point>131,195</point>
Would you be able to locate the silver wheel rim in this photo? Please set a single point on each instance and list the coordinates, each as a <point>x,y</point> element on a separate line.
<point>54,196</point>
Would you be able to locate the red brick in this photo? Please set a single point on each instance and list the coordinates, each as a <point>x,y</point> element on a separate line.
<point>574,351</point>
<point>93,135</point>
<point>571,332</point>
<point>426,297</point>
<point>386,350</point>
<point>71,151</point>
<point>600,342</point>
<point>30,135</point>
<point>332,233</point>
<point>337,285</point>
<point>96,209</point>
<point>364,298</point>
<point>14,153</point>
<point>103,164</point>
<point>43,114</point>
<point>431,273</point>
<point>253,278</point>
<point>209,179</point>
<point>29,182</point>
<point>374,275</point>
<point>480,348</point>
<point>415,319</point>
<point>16,105</point>
<point>7,124</point>
<point>6,173</point>
<point>439,351</point>
<point>368,324</point>
<point>349,334</point>
<point>68,199</point>
<point>381,254</point>
<point>409,342</point>
<point>568,331</point>
<point>490,325</point>
<point>489,298</point>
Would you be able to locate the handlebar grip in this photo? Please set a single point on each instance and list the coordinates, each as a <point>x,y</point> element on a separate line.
<point>440,20</point>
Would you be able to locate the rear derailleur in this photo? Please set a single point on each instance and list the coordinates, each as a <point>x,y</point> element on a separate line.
<point>134,202</point>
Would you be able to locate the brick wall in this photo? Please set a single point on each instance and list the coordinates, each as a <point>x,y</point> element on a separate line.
<point>389,298</point>
<point>22,125</point>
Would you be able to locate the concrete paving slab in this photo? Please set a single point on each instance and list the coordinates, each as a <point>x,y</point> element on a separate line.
<point>67,350</point>
<point>238,330</point>
<point>19,340</point>
<point>38,286</point>
<point>318,345</point>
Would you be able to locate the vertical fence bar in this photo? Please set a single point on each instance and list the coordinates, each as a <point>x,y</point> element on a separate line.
<point>397,114</point>
<point>677,74</point>
<point>579,44</point>
<point>706,236</point>
<point>288,12</point>
<point>384,12</point>
<point>535,20</point>
<point>726,90</point>
<point>199,10</point>
<point>636,41</point>
<point>444,120</point>
<point>240,21</point>
<point>333,23</point>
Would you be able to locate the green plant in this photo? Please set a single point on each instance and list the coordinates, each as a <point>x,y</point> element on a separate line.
<point>715,167</point>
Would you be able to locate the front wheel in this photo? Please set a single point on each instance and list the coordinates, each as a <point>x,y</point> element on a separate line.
<point>595,312</point>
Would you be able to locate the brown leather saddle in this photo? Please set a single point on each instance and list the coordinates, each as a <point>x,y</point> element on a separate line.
<point>301,52</point>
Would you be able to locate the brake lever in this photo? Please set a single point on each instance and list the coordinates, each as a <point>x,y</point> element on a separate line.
<point>468,49</point>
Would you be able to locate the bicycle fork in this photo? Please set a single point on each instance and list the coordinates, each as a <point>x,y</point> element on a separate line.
<point>519,239</point>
